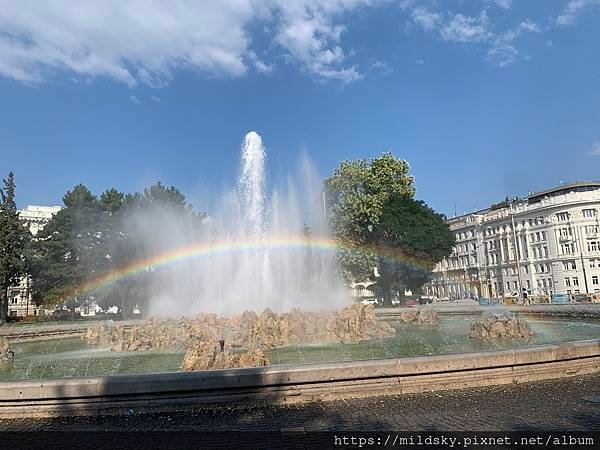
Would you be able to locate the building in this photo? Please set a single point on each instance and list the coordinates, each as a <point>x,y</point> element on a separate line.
<point>19,297</point>
<point>547,243</point>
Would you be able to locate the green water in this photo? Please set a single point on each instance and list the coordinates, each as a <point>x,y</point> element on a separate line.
<point>71,357</point>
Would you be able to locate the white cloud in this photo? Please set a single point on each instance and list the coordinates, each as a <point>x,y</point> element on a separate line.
<point>574,8</point>
<point>155,98</point>
<point>427,19</point>
<point>505,4</point>
<point>461,28</point>
<point>143,41</point>
<point>380,66</point>
<point>134,99</point>
<point>308,31</point>
<point>529,26</point>
<point>594,150</point>
<point>502,54</point>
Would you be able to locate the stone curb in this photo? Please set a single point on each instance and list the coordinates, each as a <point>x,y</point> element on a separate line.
<point>294,383</point>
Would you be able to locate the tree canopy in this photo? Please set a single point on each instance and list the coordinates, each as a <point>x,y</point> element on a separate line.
<point>410,239</point>
<point>14,237</point>
<point>378,224</point>
<point>93,236</point>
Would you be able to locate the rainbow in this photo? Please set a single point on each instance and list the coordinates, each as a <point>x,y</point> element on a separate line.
<point>216,248</point>
<point>203,250</point>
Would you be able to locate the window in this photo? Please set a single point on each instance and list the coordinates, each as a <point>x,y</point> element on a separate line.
<point>562,217</point>
<point>594,279</point>
<point>567,249</point>
<point>528,284</point>
<point>508,285</point>
<point>593,246</point>
<point>14,300</point>
<point>588,213</point>
<point>575,281</point>
<point>565,232</point>
<point>567,282</point>
<point>568,265</point>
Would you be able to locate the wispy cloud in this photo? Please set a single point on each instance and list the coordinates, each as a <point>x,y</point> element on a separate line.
<point>134,99</point>
<point>505,4</point>
<point>594,149</point>
<point>143,41</point>
<point>574,8</point>
<point>380,67</point>
<point>427,19</point>
<point>462,28</point>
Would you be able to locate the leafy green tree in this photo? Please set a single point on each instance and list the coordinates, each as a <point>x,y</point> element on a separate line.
<point>409,240</point>
<point>92,237</point>
<point>69,250</point>
<point>356,194</point>
<point>14,237</point>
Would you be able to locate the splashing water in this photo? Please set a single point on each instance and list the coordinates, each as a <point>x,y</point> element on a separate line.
<point>257,275</point>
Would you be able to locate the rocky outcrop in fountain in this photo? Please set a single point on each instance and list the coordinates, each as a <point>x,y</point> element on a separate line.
<point>5,351</point>
<point>210,355</point>
<point>497,326</point>
<point>245,336</point>
<point>421,316</point>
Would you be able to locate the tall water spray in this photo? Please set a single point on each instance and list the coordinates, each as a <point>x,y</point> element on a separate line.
<point>265,248</point>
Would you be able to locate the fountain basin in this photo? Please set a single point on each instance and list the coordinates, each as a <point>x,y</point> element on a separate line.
<point>294,383</point>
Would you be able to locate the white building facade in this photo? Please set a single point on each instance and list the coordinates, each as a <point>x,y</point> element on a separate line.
<point>547,243</point>
<point>19,297</point>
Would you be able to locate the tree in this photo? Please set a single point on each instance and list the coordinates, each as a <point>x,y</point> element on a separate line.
<point>14,237</point>
<point>92,237</point>
<point>356,194</point>
<point>69,250</point>
<point>409,240</point>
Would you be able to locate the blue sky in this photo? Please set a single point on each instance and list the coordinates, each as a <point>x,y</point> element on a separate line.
<point>483,98</point>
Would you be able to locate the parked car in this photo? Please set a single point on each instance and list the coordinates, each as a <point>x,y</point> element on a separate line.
<point>582,298</point>
<point>369,301</point>
<point>424,299</point>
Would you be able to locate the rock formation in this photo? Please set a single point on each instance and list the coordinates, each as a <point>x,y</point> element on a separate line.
<point>421,315</point>
<point>209,355</point>
<point>249,331</point>
<point>500,326</point>
<point>5,352</point>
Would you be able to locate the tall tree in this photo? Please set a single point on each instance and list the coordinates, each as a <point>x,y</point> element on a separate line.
<point>69,250</point>
<point>356,194</point>
<point>409,240</point>
<point>14,237</point>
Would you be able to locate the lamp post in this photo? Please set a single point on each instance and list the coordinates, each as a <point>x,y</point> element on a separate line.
<point>516,249</point>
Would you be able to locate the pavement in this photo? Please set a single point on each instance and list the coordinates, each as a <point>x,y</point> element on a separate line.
<point>571,404</point>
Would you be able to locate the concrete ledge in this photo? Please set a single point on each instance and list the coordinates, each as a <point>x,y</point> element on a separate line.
<point>294,383</point>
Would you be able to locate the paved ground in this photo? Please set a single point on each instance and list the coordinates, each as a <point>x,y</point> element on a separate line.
<point>567,404</point>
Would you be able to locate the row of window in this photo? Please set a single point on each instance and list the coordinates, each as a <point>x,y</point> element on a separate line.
<point>589,213</point>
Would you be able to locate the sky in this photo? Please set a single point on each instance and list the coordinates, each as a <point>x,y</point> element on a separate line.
<point>484,99</point>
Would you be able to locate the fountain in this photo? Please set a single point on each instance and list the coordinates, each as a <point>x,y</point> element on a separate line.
<point>261,291</point>
<point>263,248</point>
